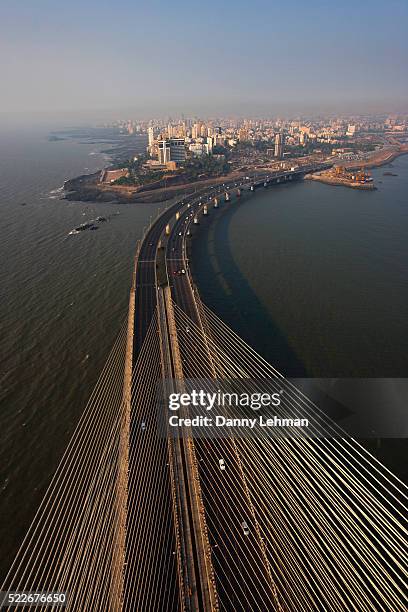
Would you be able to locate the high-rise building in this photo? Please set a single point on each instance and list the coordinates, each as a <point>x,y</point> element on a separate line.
<point>171,149</point>
<point>351,130</point>
<point>196,130</point>
<point>177,150</point>
<point>243,134</point>
<point>200,148</point>
<point>219,140</point>
<point>164,151</point>
<point>279,145</point>
<point>303,138</point>
<point>210,143</point>
<point>150,135</point>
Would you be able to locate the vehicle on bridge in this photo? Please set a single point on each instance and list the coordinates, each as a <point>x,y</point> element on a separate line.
<point>245,527</point>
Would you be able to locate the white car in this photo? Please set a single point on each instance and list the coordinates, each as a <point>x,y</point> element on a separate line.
<point>222,464</point>
<point>245,527</point>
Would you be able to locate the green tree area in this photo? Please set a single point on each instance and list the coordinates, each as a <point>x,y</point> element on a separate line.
<point>364,147</point>
<point>206,166</point>
<point>143,178</point>
<point>194,168</point>
<point>138,175</point>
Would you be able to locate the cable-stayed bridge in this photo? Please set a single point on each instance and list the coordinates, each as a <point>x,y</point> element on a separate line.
<point>137,520</point>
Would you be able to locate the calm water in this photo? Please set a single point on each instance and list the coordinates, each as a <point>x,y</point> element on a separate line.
<point>313,276</point>
<point>62,304</point>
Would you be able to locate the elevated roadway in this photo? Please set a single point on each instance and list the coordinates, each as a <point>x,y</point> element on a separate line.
<point>213,570</point>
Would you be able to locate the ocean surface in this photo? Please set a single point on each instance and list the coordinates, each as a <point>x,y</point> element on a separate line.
<point>313,276</point>
<point>63,300</point>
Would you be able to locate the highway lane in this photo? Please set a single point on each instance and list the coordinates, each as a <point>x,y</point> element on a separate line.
<point>157,563</point>
<point>160,587</point>
<point>239,563</point>
<point>149,481</point>
<point>145,271</point>
<point>237,558</point>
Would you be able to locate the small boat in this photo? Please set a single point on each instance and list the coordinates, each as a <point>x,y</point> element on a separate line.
<point>85,226</point>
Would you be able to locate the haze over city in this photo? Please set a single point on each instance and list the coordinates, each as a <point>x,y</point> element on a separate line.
<point>97,58</point>
<point>203,249</point>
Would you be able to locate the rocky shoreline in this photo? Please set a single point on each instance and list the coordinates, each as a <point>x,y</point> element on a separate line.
<point>381,159</point>
<point>327,180</point>
<point>88,188</point>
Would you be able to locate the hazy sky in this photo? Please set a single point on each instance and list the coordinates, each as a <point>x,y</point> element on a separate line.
<point>163,57</point>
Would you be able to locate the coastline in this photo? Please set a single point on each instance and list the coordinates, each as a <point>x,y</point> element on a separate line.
<point>87,188</point>
<point>328,180</point>
<point>379,160</point>
<point>375,162</point>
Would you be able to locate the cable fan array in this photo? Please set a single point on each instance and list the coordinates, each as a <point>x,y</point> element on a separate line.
<point>325,522</point>
<point>330,520</point>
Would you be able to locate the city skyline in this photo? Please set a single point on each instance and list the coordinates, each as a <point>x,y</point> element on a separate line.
<point>204,332</point>
<point>96,58</point>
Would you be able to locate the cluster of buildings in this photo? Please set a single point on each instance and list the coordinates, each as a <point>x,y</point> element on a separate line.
<point>171,142</point>
<point>297,131</point>
<point>169,146</point>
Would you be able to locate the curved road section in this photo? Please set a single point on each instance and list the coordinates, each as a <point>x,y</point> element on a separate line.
<point>208,541</point>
